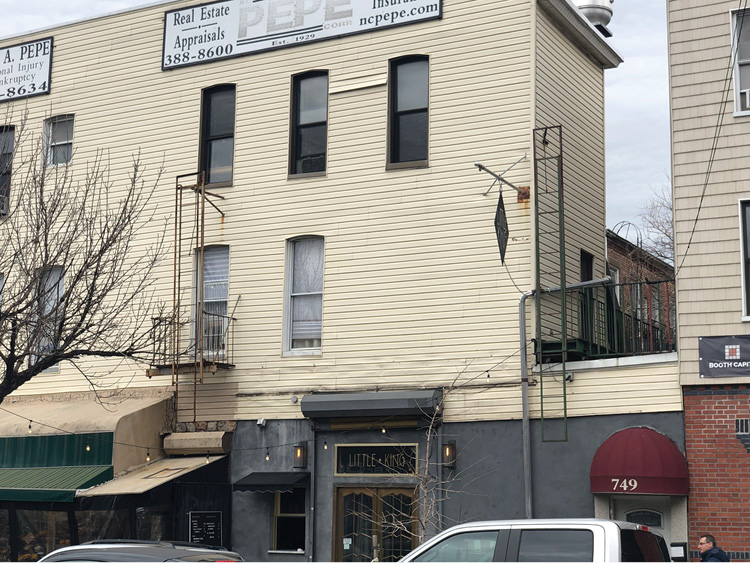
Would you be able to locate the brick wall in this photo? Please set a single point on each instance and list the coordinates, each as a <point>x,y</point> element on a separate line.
<point>719,464</point>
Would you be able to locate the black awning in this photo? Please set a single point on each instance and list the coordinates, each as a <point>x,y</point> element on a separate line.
<point>415,403</point>
<point>270,482</point>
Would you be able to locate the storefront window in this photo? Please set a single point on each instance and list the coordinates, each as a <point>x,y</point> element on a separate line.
<point>102,524</point>
<point>40,532</point>
<point>154,522</point>
<point>4,536</point>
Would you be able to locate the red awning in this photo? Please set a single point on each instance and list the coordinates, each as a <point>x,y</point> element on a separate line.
<point>639,461</point>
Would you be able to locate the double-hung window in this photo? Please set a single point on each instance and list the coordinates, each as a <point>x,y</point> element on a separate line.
<point>745,233</point>
<point>741,49</point>
<point>408,121</point>
<point>59,135</point>
<point>217,134</point>
<point>289,521</point>
<point>309,127</point>
<point>51,287</point>
<point>213,288</point>
<point>7,143</point>
<point>304,302</point>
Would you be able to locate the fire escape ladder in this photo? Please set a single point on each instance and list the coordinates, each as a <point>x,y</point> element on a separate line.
<point>551,309</point>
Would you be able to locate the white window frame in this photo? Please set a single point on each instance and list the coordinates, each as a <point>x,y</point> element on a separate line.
<point>60,291</point>
<point>208,353</point>
<point>50,146</point>
<point>745,281</point>
<point>737,63</point>
<point>288,295</point>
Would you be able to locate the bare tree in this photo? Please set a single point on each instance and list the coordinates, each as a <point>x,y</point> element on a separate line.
<point>656,217</point>
<point>72,283</point>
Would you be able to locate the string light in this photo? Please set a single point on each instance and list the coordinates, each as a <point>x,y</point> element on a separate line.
<point>88,447</point>
<point>29,426</point>
<point>383,430</point>
<point>325,444</point>
<point>268,454</point>
<point>148,454</point>
<point>207,460</point>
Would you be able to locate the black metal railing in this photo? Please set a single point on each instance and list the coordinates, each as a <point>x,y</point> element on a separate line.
<point>178,342</point>
<point>617,320</point>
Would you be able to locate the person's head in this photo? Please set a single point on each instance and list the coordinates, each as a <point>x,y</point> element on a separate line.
<point>706,542</point>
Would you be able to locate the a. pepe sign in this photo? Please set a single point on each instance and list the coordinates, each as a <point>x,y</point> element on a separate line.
<point>25,69</point>
<point>219,30</point>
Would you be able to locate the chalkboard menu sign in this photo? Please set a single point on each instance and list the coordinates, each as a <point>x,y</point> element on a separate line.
<point>375,459</point>
<point>205,527</point>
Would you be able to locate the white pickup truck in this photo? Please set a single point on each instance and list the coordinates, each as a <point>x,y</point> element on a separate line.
<point>562,539</point>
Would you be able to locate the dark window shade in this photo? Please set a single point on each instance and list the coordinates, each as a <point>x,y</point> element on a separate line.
<point>409,116</point>
<point>217,133</point>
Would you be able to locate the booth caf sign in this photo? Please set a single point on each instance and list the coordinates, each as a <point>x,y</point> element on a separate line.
<point>25,69</point>
<point>218,30</point>
<point>724,356</point>
<point>376,459</point>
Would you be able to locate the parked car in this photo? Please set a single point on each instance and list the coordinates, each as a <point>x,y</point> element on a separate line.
<point>136,550</point>
<point>591,539</point>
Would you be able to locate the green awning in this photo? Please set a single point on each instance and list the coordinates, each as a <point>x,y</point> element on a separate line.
<point>50,484</point>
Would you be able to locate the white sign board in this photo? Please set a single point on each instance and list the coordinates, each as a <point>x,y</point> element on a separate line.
<point>25,69</point>
<point>219,30</point>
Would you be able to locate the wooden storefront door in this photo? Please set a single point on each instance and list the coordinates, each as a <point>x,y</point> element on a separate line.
<point>374,524</point>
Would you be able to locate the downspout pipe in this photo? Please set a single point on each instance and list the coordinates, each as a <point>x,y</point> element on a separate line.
<point>525,430</point>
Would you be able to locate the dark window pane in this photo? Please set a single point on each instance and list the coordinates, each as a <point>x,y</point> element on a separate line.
<point>638,545</point>
<point>556,545</point>
<point>220,153</point>
<point>311,164</point>
<point>411,85</point>
<point>411,137</point>
<point>743,24</point>
<point>6,140</point>
<point>313,99</point>
<point>312,140</point>
<point>221,113</point>
<point>290,533</point>
<point>292,503</point>
<point>471,546</point>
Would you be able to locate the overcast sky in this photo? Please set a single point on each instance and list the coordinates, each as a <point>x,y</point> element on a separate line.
<point>637,98</point>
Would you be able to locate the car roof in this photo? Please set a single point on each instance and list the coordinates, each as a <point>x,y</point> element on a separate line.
<point>547,522</point>
<point>130,550</point>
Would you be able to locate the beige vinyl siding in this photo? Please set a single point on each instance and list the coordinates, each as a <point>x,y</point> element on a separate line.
<point>414,292</point>
<point>709,284</point>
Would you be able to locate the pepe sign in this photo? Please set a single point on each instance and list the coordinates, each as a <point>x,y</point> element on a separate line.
<point>25,69</point>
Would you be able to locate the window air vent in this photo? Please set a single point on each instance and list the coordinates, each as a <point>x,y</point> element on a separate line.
<point>742,426</point>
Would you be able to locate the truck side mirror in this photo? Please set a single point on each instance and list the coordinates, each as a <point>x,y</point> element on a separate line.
<point>678,551</point>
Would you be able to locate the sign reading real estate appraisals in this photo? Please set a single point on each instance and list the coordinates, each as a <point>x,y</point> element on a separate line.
<point>219,30</point>
<point>25,69</point>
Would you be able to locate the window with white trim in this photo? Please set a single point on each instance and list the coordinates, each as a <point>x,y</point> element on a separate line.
<point>304,295</point>
<point>59,135</point>
<point>51,288</point>
<point>741,50</point>
<point>745,228</point>
<point>215,295</point>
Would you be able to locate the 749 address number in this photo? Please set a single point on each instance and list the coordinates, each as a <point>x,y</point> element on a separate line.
<point>624,484</point>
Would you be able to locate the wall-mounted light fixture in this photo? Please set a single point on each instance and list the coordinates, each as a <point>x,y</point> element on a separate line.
<point>449,454</point>
<point>300,456</point>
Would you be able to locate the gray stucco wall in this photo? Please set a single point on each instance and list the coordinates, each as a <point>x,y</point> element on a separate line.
<point>487,482</point>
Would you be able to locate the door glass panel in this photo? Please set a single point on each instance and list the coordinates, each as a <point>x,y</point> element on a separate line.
<point>358,527</point>
<point>396,526</point>
<point>556,545</point>
<point>471,546</point>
